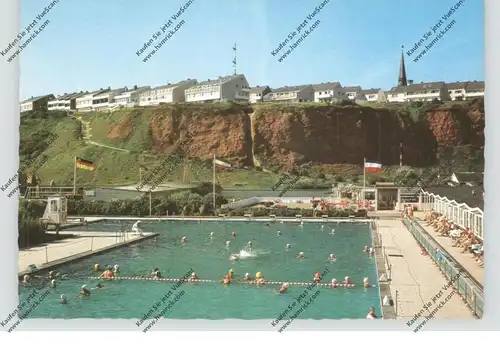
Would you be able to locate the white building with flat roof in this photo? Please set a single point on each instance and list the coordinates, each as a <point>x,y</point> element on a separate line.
<point>166,94</point>
<point>227,88</point>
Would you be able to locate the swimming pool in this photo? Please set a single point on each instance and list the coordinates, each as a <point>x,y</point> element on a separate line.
<point>209,258</point>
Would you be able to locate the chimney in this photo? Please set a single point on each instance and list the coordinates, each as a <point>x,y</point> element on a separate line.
<point>135,87</point>
<point>410,82</point>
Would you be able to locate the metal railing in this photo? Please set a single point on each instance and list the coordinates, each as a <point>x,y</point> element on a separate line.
<point>470,289</point>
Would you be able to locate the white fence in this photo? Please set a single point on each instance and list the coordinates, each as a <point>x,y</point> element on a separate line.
<point>459,213</point>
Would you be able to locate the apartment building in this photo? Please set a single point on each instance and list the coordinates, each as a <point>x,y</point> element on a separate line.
<point>328,92</point>
<point>424,92</point>
<point>456,90</point>
<point>258,93</point>
<point>474,89</point>
<point>39,103</point>
<point>165,94</point>
<point>64,102</point>
<point>226,88</point>
<point>105,100</point>
<point>372,95</point>
<point>84,101</point>
<point>352,92</point>
<point>129,97</point>
<point>292,94</point>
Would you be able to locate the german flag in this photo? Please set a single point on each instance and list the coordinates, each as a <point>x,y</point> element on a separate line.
<point>85,164</point>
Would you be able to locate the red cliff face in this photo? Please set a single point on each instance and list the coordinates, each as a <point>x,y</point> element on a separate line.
<point>285,136</point>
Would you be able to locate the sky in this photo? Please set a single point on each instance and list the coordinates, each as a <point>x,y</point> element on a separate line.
<point>92,44</point>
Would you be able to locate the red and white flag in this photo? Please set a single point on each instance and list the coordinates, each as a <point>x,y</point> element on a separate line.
<point>372,167</point>
<point>221,164</point>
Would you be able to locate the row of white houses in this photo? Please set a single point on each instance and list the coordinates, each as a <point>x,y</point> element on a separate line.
<point>236,88</point>
<point>459,213</point>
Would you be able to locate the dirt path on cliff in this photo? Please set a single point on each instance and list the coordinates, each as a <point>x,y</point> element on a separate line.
<point>87,135</point>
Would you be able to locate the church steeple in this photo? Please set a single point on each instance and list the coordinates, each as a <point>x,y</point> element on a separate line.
<point>402,70</point>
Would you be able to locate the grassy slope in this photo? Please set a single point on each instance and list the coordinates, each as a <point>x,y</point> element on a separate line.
<point>119,168</point>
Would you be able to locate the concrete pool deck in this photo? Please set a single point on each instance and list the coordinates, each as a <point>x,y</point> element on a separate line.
<point>227,218</point>
<point>415,279</point>
<point>465,259</point>
<point>84,244</point>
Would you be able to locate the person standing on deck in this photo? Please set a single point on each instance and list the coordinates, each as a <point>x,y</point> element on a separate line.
<point>136,228</point>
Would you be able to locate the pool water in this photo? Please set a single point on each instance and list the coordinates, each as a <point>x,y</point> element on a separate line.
<point>209,258</point>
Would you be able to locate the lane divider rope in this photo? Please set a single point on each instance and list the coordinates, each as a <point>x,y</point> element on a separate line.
<point>336,285</point>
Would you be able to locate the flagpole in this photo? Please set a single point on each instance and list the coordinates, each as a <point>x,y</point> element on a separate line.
<point>364,178</point>
<point>74,176</point>
<point>401,154</point>
<point>213,185</point>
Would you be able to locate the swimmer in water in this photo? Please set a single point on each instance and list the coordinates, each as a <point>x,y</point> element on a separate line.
<point>26,279</point>
<point>98,286</point>
<point>230,273</point>
<point>301,224</point>
<point>226,280</point>
<point>63,300</point>
<point>116,268</point>
<point>366,249</point>
<point>283,288</point>
<point>184,240</point>
<point>332,258</point>
<point>371,251</point>
<point>334,283</point>
<point>84,291</point>
<point>347,280</point>
<point>247,277</point>
<point>371,314</point>
<point>317,277</point>
<point>333,232</point>
<point>234,257</point>
<point>194,277</point>
<point>156,273</point>
<point>228,243</point>
<point>287,246</point>
<point>233,234</point>
<point>366,283</point>
<point>53,283</point>
<point>249,246</point>
<point>52,274</point>
<point>107,274</point>
<point>282,221</point>
<point>211,234</point>
<point>279,232</point>
<point>322,227</point>
<point>300,255</point>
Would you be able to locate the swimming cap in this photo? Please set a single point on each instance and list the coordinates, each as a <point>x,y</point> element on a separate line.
<point>346,277</point>
<point>286,285</point>
<point>193,274</point>
<point>230,270</point>
<point>247,274</point>
<point>331,255</point>
<point>301,253</point>
<point>63,297</point>
<point>258,275</point>
<point>117,266</point>
<point>365,280</point>
<point>53,281</point>
<point>334,280</point>
<point>84,286</point>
